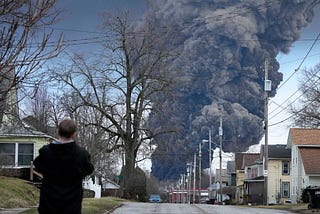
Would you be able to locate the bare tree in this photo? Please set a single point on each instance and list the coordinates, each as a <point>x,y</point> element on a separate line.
<point>120,85</point>
<point>43,111</point>
<point>307,113</point>
<point>24,42</point>
<point>92,137</point>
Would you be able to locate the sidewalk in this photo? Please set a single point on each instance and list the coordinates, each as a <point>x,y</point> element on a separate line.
<point>12,211</point>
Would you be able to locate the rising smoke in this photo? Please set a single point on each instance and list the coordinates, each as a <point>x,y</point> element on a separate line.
<point>223,45</point>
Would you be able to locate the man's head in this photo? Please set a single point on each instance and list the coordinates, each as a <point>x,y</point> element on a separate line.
<point>67,128</point>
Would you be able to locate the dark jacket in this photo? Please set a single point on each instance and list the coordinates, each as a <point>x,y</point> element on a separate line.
<point>63,167</point>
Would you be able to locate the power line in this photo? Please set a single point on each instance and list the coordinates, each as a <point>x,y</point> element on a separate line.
<point>310,87</point>
<point>299,89</point>
<point>303,60</point>
<point>237,11</point>
<point>306,105</point>
<point>297,69</point>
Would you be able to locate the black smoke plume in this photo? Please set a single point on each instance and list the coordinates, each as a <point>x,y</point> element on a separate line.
<point>223,45</point>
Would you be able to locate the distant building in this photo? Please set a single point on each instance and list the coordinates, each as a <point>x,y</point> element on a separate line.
<point>232,173</point>
<point>110,188</point>
<point>241,160</point>
<point>253,183</point>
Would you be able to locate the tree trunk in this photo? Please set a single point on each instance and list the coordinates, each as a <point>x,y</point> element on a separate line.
<point>133,182</point>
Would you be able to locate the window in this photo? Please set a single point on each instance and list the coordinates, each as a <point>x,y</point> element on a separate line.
<point>7,151</point>
<point>25,154</point>
<point>16,154</point>
<point>285,189</point>
<point>285,168</point>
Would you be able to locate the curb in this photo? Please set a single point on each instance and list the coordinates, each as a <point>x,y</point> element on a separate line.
<point>111,210</point>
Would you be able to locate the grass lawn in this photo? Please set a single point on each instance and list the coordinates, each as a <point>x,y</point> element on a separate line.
<point>295,208</point>
<point>16,193</point>
<point>91,205</point>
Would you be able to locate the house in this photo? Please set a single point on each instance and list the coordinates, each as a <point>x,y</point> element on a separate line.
<point>305,150</point>
<point>279,173</point>
<point>253,183</point>
<point>110,188</point>
<point>19,144</point>
<point>225,178</point>
<point>279,176</point>
<point>18,147</point>
<point>241,160</point>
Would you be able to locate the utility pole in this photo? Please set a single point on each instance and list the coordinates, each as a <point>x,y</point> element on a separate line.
<point>188,181</point>
<point>200,145</point>
<point>194,176</point>
<point>184,187</point>
<point>210,173</point>
<point>220,156</point>
<point>267,88</point>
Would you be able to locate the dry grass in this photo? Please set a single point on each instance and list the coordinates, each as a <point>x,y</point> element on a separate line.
<point>16,193</point>
<point>295,208</point>
<point>91,205</point>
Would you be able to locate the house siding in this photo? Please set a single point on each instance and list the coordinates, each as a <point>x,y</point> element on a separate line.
<point>239,182</point>
<point>275,180</point>
<point>296,174</point>
<point>314,180</point>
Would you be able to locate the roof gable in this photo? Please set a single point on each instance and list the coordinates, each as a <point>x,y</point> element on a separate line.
<point>310,159</point>
<point>300,136</point>
<point>243,159</point>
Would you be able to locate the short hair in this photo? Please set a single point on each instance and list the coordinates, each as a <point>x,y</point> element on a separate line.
<point>67,128</point>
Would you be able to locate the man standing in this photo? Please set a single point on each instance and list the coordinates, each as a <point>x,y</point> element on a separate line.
<point>63,164</point>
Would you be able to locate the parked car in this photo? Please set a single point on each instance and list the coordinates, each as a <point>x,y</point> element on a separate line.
<point>155,199</point>
<point>225,199</point>
<point>204,200</point>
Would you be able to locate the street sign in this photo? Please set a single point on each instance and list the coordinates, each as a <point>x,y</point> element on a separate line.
<point>265,173</point>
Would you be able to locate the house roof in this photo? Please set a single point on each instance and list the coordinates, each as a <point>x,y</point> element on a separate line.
<point>310,159</point>
<point>109,184</point>
<point>277,151</point>
<point>20,131</point>
<point>300,136</point>
<point>243,159</point>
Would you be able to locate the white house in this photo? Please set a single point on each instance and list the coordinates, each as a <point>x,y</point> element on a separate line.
<point>305,154</point>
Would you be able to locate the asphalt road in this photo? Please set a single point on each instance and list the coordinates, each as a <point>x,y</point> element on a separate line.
<point>166,208</point>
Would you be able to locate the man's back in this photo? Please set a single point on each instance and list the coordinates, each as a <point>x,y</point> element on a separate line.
<point>63,167</point>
